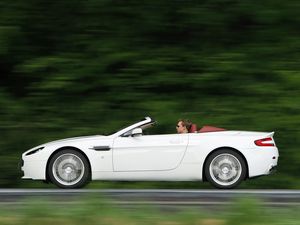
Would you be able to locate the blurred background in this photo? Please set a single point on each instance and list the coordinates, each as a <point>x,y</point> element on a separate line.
<point>73,67</point>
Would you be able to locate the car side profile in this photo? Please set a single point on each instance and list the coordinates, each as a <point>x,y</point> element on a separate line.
<point>224,158</point>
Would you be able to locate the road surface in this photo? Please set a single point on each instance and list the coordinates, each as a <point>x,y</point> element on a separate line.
<point>156,197</point>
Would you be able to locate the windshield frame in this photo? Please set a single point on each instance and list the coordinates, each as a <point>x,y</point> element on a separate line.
<point>145,122</point>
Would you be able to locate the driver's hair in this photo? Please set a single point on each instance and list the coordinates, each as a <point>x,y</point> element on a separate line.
<point>186,123</point>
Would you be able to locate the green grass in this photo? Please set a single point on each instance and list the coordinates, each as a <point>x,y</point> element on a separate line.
<point>96,210</point>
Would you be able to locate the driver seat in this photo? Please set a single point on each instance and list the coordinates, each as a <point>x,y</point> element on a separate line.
<point>193,128</point>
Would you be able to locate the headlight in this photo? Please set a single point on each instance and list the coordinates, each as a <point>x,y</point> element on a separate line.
<point>34,151</point>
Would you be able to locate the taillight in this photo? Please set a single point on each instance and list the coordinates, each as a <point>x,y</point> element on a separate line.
<point>265,142</point>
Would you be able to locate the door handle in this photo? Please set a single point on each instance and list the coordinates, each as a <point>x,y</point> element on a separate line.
<point>176,141</point>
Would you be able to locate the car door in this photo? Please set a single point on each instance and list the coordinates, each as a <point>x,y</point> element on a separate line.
<point>149,152</point>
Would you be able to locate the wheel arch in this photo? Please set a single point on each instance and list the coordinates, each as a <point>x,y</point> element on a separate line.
<point>221,148</point>
<point>64,148</point>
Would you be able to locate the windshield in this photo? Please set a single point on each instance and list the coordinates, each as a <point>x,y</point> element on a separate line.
<point>143,124</point>
<point>143,127</point>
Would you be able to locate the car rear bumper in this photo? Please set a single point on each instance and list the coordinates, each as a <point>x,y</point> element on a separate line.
<point>262,161</point>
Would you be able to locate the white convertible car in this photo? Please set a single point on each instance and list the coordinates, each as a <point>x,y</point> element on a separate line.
<point>224,158</point>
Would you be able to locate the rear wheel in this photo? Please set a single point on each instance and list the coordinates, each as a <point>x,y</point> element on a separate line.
<point>69,169</point>
<point>225,169</point>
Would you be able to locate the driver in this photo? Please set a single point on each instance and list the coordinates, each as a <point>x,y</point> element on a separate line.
<point>183,126</point>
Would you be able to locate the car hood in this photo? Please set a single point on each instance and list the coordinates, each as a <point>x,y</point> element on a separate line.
<point>67,141</point>
<point>76,139</point>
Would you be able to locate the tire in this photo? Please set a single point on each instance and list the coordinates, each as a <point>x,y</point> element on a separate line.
<point>225,169</point>
<point>69,169</point>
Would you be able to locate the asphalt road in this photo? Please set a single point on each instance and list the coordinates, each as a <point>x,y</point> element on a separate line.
<point>159,197</point>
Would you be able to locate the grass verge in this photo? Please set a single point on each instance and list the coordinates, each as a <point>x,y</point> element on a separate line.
<point>96,210</point>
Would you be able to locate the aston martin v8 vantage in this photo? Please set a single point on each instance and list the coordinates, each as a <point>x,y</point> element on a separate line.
<point>222,157</point>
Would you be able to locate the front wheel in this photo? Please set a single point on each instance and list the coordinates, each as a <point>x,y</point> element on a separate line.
<point>225,169</point>
<point>69,169</point>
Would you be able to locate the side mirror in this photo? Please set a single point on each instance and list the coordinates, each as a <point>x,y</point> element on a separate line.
<point>137,132</point>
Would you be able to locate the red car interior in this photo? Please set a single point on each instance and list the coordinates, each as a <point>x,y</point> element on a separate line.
<point>204,129</point>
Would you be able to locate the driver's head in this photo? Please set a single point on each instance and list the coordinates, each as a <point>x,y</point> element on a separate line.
<point>183,126</point>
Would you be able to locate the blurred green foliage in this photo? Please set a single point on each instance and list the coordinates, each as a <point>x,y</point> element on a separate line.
<point>71,68</point>
<point>98,211</point>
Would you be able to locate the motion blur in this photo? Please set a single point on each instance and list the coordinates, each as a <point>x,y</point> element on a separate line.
<point>73,68</point>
